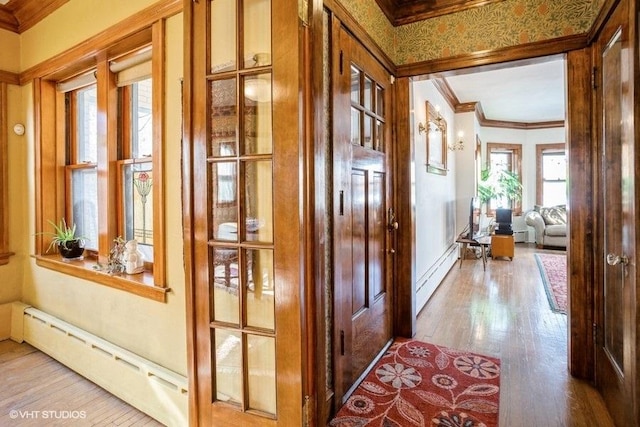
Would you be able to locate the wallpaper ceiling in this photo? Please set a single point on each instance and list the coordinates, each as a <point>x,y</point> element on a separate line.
<point>497,25</point>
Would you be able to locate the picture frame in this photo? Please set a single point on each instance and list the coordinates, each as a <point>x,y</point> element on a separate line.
<point>436,133</point>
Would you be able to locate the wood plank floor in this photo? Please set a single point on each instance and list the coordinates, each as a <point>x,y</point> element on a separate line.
<point>504,312</point>
<point>36,390</point>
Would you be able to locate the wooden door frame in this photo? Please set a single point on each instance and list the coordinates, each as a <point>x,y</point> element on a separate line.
<point>581,160</point>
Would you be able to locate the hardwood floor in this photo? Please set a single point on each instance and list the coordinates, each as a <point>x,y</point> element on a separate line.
<point>36,390</point>
<point>504,312</point>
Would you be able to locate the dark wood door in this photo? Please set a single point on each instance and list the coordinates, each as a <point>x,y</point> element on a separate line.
<point>615,337</point>
<point>362,188</point>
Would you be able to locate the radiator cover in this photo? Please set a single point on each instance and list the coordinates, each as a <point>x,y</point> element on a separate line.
<point>158,392</point>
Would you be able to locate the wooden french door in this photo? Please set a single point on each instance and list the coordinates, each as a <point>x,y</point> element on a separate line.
<point>364,220</point>
<point>244,213</point>
<point>616,297</point>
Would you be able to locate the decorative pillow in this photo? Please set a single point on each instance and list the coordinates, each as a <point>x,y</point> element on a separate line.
<point>554,215</point>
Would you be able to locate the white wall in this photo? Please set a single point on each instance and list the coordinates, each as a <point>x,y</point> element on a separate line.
<point>466,171</point>
<point>529,139</point>
<point>435,200</point>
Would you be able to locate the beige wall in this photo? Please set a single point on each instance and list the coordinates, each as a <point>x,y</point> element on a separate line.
<point>11,275</point>
<point>71,24</point>
<point>10,44</point>
<point>153,330</point>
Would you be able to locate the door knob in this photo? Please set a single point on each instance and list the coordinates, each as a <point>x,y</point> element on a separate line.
<point>392,224</point>
<point>613,259</point>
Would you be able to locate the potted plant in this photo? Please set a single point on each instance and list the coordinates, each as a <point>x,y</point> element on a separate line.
<point>499,184</point>
<point>64,238</point>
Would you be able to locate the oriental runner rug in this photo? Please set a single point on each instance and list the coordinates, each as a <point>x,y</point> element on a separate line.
<point>421,384</point>
<point>553,268</point>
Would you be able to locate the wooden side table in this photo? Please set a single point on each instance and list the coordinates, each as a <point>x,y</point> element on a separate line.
<point>502,245</point>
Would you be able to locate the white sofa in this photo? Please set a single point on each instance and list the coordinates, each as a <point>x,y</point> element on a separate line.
<point>550,224</point>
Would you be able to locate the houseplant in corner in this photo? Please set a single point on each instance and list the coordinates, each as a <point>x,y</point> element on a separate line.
<point>499,184</point>
<point>64,238</point>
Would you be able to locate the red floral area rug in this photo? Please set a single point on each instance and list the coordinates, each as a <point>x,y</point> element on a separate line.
<point>553,268</point>
<point>421,384</point>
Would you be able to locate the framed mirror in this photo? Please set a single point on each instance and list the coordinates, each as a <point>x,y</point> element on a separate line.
<point>436,131</point>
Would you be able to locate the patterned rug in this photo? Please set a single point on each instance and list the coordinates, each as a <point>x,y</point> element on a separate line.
<point>420,384</point>
<point>553,268</point>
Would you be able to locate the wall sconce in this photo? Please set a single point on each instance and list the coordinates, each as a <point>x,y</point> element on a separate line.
<point>436,124</point>
<point>458,145</point>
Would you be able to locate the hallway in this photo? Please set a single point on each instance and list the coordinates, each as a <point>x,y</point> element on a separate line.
<point>504,312</point>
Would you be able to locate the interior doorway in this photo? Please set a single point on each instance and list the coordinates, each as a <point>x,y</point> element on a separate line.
<point>517,104</point>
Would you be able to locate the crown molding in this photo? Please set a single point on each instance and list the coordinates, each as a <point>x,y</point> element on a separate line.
<point>450,97</point>
<point>401,12</point>
<point>9,77</point>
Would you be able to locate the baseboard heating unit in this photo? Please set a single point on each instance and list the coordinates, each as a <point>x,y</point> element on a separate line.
<point>153,389</point>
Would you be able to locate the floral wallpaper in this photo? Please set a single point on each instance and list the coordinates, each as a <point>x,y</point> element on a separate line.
<point>375,22</point>
<point>497,25</point>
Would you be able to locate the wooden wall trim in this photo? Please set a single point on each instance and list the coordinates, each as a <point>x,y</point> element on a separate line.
<point>605,11</point>
<point>8,21</point>
<point>580,248</point>
<point>90,47</point>
<point>466,107</point>
<point>360,34</point>
<point>188,236</point>
<point>447,92</point>
<point>489,123</point>
<point>495,56</point>
<point>159,116</point>
<point>320,269</point>
<point>449,95</point>
<point>29,12</point>
<point>401,12</point>
<point>9,77</point>
<point>4,178</point>
<point>405,283</point>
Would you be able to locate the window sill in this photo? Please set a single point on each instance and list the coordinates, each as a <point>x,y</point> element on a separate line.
<point>4,257</point>
<point>138,284</point>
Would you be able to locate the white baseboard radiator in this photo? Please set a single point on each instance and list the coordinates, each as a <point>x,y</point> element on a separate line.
<point>153,389</point>
<point>427,284</point>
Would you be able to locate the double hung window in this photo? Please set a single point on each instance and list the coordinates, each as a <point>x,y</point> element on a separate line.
<point>551,174</point>
<point>107,126</point>
<point>506,157</point>
<point>82,160</point>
